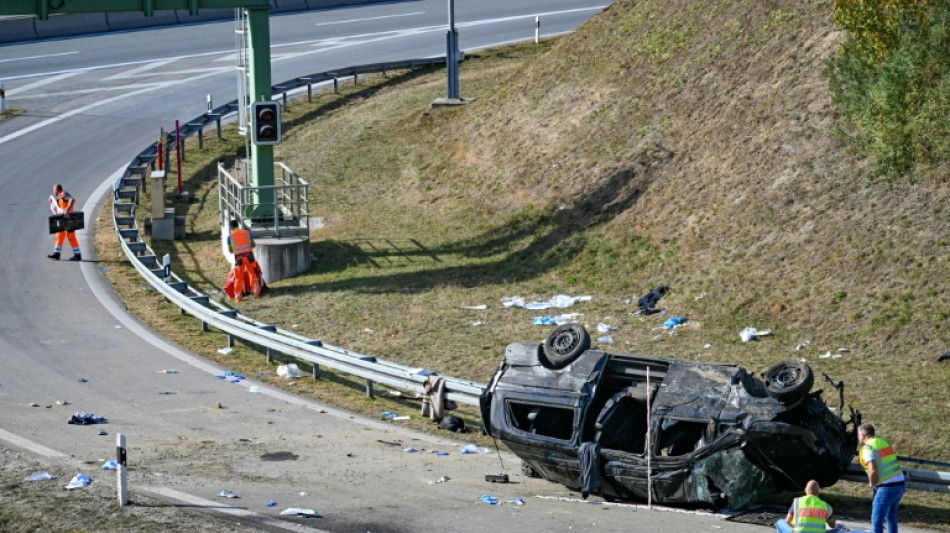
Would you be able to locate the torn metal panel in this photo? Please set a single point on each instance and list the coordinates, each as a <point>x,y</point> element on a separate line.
<point>718,436</point>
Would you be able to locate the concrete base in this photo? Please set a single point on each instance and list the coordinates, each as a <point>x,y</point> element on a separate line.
<point>282,258</point>
<point>450,102</point>
<point>163,229</point>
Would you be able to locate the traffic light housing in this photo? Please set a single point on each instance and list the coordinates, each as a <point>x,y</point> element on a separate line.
<point>265,123</point>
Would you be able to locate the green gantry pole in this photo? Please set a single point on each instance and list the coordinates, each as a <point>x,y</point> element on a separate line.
<point>262,157</point>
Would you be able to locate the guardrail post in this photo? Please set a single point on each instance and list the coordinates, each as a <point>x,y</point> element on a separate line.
<point>356,78</point>
<point>336,86</point>
<point>285,100</point>
<point>201,138</point>
<point>316,367</point>
<point>204,327</point>
<point>3,100</point>
<point>309,90</point>
<point>369,382</point>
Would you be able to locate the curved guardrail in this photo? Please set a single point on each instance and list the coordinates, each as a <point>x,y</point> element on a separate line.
<point>126,192</point>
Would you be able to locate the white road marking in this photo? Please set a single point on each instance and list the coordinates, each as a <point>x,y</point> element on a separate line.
<point>36,57</point>
<point>34,85</point>
<point>370,18</point>
<point>39,449</point>
<point>138,70</point>
<point>227,509</point>
<point>74,92</point>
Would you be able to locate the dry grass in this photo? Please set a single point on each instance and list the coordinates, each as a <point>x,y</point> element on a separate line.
<point>663,143</point>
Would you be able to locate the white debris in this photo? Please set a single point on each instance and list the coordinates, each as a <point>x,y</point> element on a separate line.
<point>750,333</point>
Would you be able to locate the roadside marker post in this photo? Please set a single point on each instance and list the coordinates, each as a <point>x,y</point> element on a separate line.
<point>537,30</point>
<point>122,477</point>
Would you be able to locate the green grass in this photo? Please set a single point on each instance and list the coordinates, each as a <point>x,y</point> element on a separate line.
<point>716,174</point>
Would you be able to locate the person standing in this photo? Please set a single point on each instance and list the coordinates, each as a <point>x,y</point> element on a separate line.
<point>884,475</point>
<point>62,203</point>
<point>241,244</point>
<point>809,514</point>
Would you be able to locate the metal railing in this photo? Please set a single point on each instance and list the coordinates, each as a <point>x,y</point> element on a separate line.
<point>211,313</point>
<point>288,212</point>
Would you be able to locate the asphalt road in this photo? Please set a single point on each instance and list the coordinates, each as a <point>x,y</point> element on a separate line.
<point>94,102</point>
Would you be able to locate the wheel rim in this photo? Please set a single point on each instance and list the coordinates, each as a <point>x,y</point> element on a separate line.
<point>565,342</point>
<point>786,376</point>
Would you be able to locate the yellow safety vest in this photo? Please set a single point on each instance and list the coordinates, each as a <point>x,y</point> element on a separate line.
<point>884,456</point>
<point>811,514</point>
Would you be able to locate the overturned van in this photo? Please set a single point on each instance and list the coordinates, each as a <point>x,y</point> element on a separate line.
<point>694,433</point>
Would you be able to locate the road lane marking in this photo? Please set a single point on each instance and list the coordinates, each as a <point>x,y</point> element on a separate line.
<point>34,85</point>
<point>39,449</point>
<point>37,57</point>
<point>138,70</point>
<point>217,507</point>
<point>370,18</point>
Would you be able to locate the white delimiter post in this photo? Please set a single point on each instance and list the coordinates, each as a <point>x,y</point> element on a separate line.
<point>120,471</point>
<point>537,30</point>
<point>649,448</point>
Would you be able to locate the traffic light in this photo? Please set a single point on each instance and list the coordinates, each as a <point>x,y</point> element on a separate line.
<point>265,123</point>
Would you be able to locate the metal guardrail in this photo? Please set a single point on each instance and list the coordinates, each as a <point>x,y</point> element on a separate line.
<point>925,480</point>
<point>289,211</point>
<point>211,313</point>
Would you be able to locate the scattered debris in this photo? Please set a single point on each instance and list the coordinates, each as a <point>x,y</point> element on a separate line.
<point>497,478</point>
<point>272,503</point>
<point>110,465</point>
<point>310,513</point>
<point>39,476</point>
<point>489,499</point>
<point>453,423</point>
<point>559,301</point>
<point>477,323</point>
<point>103,432</point>
<point>475,307</point>
<point>674,321</point>
<point>79,481</point>
<point>606,339</point>
<point>707,346</point>
<point>543,321</point>
<point>410,450</point>
<point>471,448</point>
<point>34,404</point>
<point>605,328</point>
<point>254,388</point>
<point>802,345</point>
<point>227,494</point>
<point>387,414</point>
<point>167,371</point>
<point>442,479</point>
<point>441,453</point>
<point>517,501</point>
<point>389,442</point>
<point>750,334</point>
<point>288,371</point>
<point>945,356</point>
<point>62,402</point>
<point>648,301</point>
<point>83,419</point>
<point>224,351</point>
<point>83,380</point>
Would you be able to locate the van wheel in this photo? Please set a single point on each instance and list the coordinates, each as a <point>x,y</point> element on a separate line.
<point>565,344</point>
<point>789,381</point>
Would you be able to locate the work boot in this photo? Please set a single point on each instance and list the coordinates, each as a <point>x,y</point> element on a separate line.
<point>54,255</point>
<point>76,257</point>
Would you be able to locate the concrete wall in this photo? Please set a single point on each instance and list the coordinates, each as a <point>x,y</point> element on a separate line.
<point>16,29</point>
<point>65,25</point>
<point>128,20</point>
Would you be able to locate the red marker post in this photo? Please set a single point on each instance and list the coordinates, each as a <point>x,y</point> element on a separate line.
<point>178,154</point>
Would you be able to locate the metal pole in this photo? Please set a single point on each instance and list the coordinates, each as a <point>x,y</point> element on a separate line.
<point>451,55</point>
<point>649,450</point>
<point>122,477</point>
<point>178,154</point>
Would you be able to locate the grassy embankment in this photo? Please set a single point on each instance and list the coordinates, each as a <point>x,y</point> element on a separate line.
<point>676,143</point>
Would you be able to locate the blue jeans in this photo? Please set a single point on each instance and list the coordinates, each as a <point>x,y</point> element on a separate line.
<point>884,508</point>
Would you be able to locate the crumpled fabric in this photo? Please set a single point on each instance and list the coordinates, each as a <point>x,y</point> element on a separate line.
<point>83,419</point>
<point>434,403</point>
<point>648,301</point>
<point>588,455</point>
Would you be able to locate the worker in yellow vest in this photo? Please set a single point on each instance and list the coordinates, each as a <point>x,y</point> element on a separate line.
<point>809,514</point>
<point>241,244</point>
<point>62,203</point>
<point>884,475</point>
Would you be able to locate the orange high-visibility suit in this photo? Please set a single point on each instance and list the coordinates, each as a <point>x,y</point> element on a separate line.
<point>61,203</point>
<point>241,244</point>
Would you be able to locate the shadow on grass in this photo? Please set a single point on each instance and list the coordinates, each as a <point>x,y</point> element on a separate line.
<point>554,236</point>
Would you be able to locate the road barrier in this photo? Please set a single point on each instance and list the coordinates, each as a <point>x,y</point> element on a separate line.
<point>192,301</point>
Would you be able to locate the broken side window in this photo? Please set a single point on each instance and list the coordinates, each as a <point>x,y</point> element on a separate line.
<point>622,425</point>
<point>554,422</point>
<point>681,437</point>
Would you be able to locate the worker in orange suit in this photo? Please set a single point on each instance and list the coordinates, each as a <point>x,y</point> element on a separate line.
<point>241,244</point>
<point>62,203</point>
